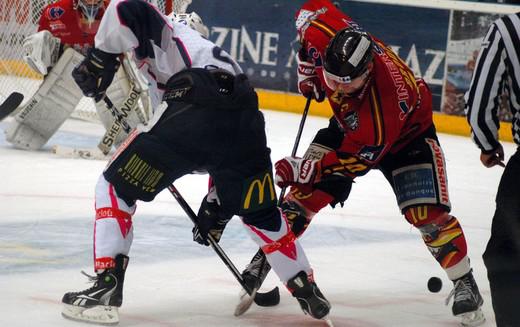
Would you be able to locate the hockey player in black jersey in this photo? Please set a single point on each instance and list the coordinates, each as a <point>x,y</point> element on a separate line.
<point>208,121</point>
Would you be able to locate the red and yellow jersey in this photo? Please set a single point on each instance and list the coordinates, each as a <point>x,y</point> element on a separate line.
<point>68,24</point>
<point>391,109</point>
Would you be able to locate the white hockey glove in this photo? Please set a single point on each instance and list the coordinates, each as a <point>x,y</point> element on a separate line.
<point>41,51</point>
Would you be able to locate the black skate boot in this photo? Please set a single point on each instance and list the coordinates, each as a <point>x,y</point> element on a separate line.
<point>256,271</point>
<point>99,303</point>
<point>467,301</point>
<point>309,296</point>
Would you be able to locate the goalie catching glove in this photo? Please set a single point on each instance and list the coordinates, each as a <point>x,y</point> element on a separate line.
<point>297,171</point>
<point>95,74</point>
<point>211,219</point>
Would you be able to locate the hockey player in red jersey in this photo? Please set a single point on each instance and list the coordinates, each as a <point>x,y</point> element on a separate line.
<point>382,120</point>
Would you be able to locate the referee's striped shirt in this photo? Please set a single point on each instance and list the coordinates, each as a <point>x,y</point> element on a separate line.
<point>497,70</point>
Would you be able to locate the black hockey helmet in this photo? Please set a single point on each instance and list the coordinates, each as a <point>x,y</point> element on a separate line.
<point>347,55</point>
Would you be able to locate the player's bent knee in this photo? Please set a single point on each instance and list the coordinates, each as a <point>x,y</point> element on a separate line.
<point>267,219</point>
<point>427,214</point>
<point>338,186</point>
<point>136,173</point>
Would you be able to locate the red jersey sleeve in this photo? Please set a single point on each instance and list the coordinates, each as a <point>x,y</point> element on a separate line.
<point>43,24</point>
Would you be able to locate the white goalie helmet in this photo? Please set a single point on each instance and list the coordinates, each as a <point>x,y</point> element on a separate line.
<point>90,8</point>
<point>192,20</point>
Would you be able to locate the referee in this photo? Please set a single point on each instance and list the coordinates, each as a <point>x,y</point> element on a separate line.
<point>497,72</point>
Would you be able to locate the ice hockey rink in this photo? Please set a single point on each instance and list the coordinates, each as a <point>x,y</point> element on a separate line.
<point>369,262</point>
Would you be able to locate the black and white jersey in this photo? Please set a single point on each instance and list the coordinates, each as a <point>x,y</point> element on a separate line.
<point>162,46</point>
<point>497,71</point>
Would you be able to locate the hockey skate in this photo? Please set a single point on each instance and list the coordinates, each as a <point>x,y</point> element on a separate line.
<point>98,304</point>
<point>309,296</point>
<point>467,301</point>
<point>254,275</point>
<point>256,271</point>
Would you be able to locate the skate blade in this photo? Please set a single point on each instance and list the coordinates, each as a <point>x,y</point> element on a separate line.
<point>245,303</point>
<point>328,321</point>
<point>472,319</point>
<point>100,314</point>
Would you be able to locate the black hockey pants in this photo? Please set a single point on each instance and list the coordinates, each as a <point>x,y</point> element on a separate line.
<point>204,129</point>
<point>502,255</point>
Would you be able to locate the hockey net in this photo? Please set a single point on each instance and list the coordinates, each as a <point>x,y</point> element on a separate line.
<point>19,19</point>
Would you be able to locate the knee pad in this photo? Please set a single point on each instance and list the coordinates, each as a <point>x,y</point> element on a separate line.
<point>426,214</point>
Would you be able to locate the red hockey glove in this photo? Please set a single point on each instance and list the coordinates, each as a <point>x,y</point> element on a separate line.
<point>95,73</point>
<point>293,171</point>
<point>309,83</point>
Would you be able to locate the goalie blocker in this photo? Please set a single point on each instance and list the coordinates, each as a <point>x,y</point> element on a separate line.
<point>42,115</point>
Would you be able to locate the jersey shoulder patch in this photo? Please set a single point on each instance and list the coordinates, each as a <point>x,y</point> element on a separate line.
<point>54,13</point>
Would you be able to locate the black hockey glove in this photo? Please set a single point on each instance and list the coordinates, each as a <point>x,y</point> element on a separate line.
<point>211,220</point>
<point>95,73</point>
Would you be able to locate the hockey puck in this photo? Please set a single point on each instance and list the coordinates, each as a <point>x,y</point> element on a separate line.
<point>434,284</point>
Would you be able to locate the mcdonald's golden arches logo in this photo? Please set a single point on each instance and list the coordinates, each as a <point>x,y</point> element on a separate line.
<point>262,186</point>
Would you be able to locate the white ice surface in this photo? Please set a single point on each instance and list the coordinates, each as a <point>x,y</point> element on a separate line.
<point>368,261</point>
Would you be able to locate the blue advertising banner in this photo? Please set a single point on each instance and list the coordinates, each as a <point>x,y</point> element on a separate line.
<point>262,37</point>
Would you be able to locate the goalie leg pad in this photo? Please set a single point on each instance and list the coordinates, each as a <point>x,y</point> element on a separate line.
<point>130,96</point>
<point>50,106</point>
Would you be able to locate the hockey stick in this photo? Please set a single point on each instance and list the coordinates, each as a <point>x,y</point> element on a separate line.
<point>83,153</point>
<point>259,298</point>
<point>297,141</point>
<point>129,105</point>
<point>273,297</point>
<point>10,104</point>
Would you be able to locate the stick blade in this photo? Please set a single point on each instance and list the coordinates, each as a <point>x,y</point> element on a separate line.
<point>10,104</point>
<point>268,299</point>
<point>245,303</point>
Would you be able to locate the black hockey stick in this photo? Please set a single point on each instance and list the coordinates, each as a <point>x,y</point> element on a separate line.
<point>273,296</point>
<point>10,104</point>
<point>260,299</point>
<point>297,141</point>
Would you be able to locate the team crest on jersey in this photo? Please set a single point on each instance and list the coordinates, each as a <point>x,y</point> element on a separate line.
<point>56,12</point>
<point>351,119</point>
<point>371,152</point>
<point>315,54</point>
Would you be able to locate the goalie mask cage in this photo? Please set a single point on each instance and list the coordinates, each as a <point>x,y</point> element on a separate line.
<point>19,19</point>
